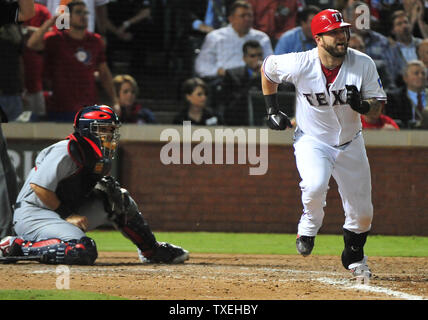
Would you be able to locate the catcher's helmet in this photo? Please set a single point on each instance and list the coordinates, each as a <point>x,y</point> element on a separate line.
<point>99,126</point>
<point>327,20</point>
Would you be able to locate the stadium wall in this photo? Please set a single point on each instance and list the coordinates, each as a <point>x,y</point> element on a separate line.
<point>227,198</point>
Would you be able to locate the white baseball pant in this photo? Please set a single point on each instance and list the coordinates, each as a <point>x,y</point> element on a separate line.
<point>349,166</point>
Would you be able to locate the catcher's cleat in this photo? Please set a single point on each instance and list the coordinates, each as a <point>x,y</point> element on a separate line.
<point>304,245</point>
<point>360,269</point>
<point>11,246</point>
<point>166,253</point>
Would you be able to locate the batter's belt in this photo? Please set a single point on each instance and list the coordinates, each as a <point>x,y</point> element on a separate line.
<point>298,133</point>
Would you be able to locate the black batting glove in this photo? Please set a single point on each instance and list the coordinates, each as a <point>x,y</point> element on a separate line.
<point>353,98</point>
<point>275,119</point>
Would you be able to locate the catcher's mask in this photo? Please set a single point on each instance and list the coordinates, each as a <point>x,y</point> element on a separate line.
<point>328,20</point>
<point>99,126</point>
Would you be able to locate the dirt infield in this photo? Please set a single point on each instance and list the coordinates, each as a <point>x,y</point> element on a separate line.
<point>230,277</point>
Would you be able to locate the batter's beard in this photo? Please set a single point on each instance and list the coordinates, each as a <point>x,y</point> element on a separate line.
<point>335,52</point>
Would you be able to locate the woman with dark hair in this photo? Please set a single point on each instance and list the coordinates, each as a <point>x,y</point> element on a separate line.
<point>194,92</point>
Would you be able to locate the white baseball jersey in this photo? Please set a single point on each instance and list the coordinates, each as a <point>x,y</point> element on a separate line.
<point>321,111</point>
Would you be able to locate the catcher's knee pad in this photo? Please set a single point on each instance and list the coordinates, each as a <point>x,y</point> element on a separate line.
<point>55,251</point>
<point>354,247</point>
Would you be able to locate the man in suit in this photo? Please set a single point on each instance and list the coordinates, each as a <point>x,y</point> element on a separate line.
<point>238,82</point>
<point>407,104</point>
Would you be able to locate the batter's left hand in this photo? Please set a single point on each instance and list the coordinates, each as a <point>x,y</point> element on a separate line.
<point>353,98</point>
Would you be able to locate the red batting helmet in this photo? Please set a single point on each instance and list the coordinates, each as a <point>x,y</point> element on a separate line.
<point>327,20</point>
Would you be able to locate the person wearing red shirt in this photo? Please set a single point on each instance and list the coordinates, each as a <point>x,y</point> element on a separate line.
<point>380,122</point>
<point>274,17</point>
<point>72,58</point>
<point>34,100</point>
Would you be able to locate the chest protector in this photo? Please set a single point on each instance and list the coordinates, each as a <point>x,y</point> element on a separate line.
<point>73,190</point>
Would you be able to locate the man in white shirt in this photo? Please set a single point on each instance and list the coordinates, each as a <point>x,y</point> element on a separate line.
<point>222,48</point>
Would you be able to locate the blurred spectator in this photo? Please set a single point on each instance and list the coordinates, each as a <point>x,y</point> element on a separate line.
<point>417,12</point>
<point>97,12</point>
<point>130,110</point>
<point>274,17</point>
<point>357,43</point>
<point>71,59</point>
<point>324,4</point>
<point>11,75</point>
<point>377,46</point>
<point>204,17</point>
<point>238,82</point>
<point>16,11</point>
<point>201,17</point>
<point>194,92</point>
<point>128,35</point>
<point>162,52</point>
<point>222,48</point>
<point>380,121</point>
<point>299,38</point>
<point>381,11</point>
<point>422,51</point>
<point>405,105</point>
<point>34,100</point>
<point>10,13</point>
<point>405,43</point>
<point>208,15</point>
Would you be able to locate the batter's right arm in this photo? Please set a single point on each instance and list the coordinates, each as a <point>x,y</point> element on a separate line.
<point>276,119</point>
<point>268,87</point>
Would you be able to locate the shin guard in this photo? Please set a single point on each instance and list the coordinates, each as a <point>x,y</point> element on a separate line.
<point>125,215</point>
<point>133,226</point>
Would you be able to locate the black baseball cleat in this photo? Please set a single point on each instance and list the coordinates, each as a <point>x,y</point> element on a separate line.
<point>167,253</point>
<point>304,245</point>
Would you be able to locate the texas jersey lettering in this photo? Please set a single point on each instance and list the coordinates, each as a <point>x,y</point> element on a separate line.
<point>321,110</point>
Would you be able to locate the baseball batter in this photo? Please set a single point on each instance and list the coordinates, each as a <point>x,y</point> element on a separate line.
<point>334,85</point>
<point>69,192</point>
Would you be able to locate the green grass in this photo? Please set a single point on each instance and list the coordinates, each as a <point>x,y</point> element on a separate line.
<point>252,243</point>
<point>238,243</point>
<point>54,295</point>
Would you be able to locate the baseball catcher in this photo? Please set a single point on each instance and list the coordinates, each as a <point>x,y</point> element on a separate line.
<point>69,192</point>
